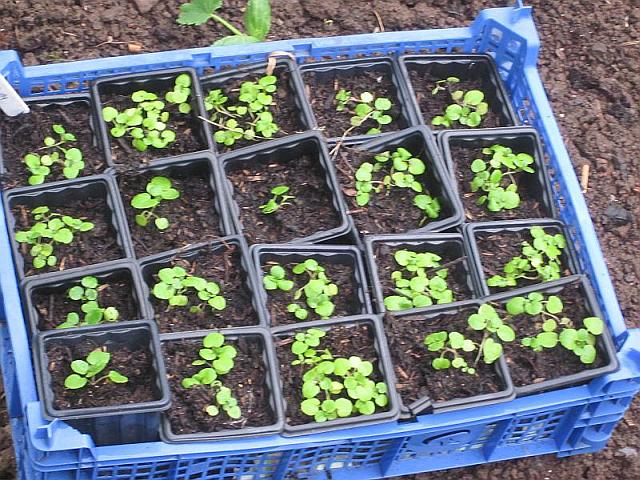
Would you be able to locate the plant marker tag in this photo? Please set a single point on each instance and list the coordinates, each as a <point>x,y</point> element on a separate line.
<point>10,102</point>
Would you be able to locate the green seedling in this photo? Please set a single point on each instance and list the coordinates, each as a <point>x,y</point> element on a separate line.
<point>257,20</point>
<point>147,123</point>
<point>579,341</point>
<point>250,119</point>
<point>85,371</point>
<point>56,153</point>
<point>450,345</point>
<point>540,260</point>
<point>468,107</point>
<point>414,288</point>
<point>365,108</point>
<point>276,279</point>
<point>398,169</point>
<point>175,284</point>
<point>496,177</point>
<point>279,199</point>
<point>494,330</point>
<point>157,190</point>
<point>335,387</point>
<point>50,229</point>
<point>94,314</point>
<point>217,360</point>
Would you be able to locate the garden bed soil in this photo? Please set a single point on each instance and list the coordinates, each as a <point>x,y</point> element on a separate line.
<point>497,249</point>
<point>530,206</point>
<point>94,246</point>
<point>433,105</point>
<point>311,210</point>
<point>322,88</point>
<point>415,376</point>
<point>456,280</point>
<point>26,133</point>
<point>192,217</point>
<point>343,341</point>
<point>346,301</point>
<point>53,307</point>
<point>598,121</point>
<point>286,113</point>
<point>137,365</point>
<point>186,126</point>
<point>224,269</point>
<point>528,367</point>
<point>247,381</point>
<point>389,212</point>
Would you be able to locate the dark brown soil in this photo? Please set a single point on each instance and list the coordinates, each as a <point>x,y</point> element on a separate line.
<point>223,267</point>
<point>26,133</point>
<point>247,381</point>
<point>457,279</point>
<point>433,105</point>
<point>391,212</point>
<point>94,246</point>
<point>286,113</point>
<point>530,205</point>
<point>54,305</point>
<point>416,377</point>
<point>187,128</point>
<point>322,89</point>
<point>588,63</point>
<point>137,365</point>
<point>497,249</point>
<point>311,211</point>
<point>342,341</point>
<point>346,301</point>
<point>528,367</point>
<point>193,217</point>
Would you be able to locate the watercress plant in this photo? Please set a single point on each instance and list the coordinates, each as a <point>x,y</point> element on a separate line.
<point>94,314</point>
<point>175,284</point>
<point>85,371</point>
<point>467,108</point>
<point>278,200</point>
<point>50,229</point>
<point>157,190</point>
<point>56,152</point>
<point>364,108</point>
<point>217,358</point>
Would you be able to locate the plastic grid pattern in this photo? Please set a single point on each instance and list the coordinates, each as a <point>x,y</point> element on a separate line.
<point>582,420</point>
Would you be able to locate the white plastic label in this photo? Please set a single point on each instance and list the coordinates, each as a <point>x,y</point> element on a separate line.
<point>10,102</point>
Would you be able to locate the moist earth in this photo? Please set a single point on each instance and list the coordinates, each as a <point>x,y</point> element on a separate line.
<point>588,62</point>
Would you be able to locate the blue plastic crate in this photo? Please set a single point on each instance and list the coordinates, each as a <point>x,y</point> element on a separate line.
<point>566,422</point>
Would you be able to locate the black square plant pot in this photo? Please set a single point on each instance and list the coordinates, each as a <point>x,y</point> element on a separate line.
<point>393,210</point>
<point>229,258</point>
<point>342,260</point>
<point>357,76</point>
<point>379,251</point>
<point>254,342</point>
<point>61,195</point>
<point>471,232</point>
<point>74,112</point>
<point>289,100</point>
<point>197,216</point>
<point>357,328</point>
<point>139,417</point>
<point>534,189</point>
<point>566,368</point>
<point>291,161</point>
<point>477,71</point>
<point>194,137</point>
<point>121,276</point>
<point>404,340</point>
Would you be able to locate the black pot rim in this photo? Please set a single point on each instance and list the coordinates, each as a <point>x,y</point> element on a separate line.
<point>43,378</point>
<point>272,380</point>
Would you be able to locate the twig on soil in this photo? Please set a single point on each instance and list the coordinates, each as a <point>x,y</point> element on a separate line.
<point>379,19</point>
<point>584,178</point>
